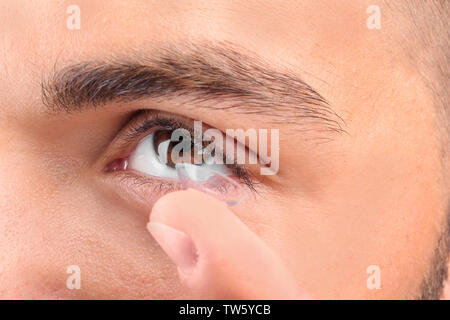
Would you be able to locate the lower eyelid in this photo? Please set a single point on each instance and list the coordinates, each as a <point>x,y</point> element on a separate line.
<point>146,190</point>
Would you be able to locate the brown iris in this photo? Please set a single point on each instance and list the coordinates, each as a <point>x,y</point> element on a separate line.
<point>164,135</point>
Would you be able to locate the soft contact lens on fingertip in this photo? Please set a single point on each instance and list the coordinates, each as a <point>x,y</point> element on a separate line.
<point>210,181</point>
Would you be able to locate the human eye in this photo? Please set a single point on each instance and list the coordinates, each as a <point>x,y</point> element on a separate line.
<point>154,154</point>
<point>147,160</point>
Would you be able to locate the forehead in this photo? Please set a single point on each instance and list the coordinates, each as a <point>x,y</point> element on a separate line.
<point>291,29</point>
<point>312,36</point>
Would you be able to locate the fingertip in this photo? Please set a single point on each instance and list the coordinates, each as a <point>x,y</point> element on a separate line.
<point>177,245</point>
<point>188,200</point>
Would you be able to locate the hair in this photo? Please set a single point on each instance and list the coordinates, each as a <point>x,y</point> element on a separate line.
<point>425,31</point>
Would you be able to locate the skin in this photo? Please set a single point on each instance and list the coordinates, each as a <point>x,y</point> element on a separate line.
<point>373,196</point>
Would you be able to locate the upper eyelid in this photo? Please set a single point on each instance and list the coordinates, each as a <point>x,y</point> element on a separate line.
<point>136,127</point>
<point>173,124</point>
<point>130,134</point>
<point>146,120</point>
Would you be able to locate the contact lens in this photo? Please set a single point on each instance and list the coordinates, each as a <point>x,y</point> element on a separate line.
<point>213,182</point>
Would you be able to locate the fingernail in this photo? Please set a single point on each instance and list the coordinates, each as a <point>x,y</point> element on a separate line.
<point>177,245</point>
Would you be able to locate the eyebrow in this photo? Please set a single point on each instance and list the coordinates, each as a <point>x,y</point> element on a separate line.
<point>219,74</point>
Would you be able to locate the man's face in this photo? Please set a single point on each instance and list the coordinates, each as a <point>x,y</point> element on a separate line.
<point>343,199</point>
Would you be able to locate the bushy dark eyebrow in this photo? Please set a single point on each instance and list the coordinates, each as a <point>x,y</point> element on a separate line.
<point>219,74</point>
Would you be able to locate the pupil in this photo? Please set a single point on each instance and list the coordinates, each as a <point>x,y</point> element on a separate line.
<point>165,152</point>
<point>163,136</point>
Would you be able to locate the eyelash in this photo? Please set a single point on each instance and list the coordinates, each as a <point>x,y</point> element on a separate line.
<point>141,124</point>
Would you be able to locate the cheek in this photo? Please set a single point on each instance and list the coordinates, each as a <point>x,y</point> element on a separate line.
<point>374,213</point>
<point>42,233</point>
<point>284,224</point>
